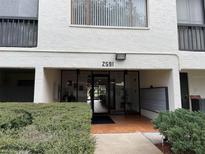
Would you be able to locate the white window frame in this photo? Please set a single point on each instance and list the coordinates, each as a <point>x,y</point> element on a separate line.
<point>110,27</point>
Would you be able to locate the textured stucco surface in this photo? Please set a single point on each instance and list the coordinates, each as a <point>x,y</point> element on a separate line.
<point>55,32</point>
<point>196,81</point>
<point>61,46</point>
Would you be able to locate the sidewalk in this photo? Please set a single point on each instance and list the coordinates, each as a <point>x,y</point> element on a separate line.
<point>129,143</point>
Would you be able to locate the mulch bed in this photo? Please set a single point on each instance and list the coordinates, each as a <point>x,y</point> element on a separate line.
<point>165,148</point>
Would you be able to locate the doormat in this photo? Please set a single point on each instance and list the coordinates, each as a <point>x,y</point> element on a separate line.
<point>102,120</point>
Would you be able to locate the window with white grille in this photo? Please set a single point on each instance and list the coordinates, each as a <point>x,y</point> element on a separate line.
<point>122,13</point>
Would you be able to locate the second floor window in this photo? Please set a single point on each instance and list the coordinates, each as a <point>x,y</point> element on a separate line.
<point>18,23</point>
<point>190,11</point>
<point>120,13</point>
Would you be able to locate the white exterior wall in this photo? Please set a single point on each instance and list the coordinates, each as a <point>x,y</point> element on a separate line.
<point>86,60</point>
<point>162,78</point>
<point>54,23</point>
<point>59,43</point>
<point>47,82</point>
<point>56,34</point>
<point>192,60</point>
<point>63,46</point>
<point>196,81</point>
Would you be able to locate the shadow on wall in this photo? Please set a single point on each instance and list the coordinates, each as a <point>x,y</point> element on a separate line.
<point>16,85</point>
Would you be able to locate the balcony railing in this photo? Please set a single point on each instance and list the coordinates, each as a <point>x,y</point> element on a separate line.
<point>18,32</point>
<point>191,37</point>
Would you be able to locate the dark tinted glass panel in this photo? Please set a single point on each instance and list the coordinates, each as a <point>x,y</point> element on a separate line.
<point>18,23</point>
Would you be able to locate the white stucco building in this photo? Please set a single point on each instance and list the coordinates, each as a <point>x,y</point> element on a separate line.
<point>125,56</point>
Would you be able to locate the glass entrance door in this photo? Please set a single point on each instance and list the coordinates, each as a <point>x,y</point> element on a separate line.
<point>100,101</point>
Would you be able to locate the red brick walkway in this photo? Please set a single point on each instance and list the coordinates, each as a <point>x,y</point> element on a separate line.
<point>125,124</point>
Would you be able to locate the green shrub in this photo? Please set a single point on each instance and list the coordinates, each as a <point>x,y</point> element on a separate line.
<point>22,119</point>
<point>185,130</point>
<point>46,128</point>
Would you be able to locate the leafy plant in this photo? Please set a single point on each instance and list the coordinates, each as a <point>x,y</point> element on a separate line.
<point>185,130</point>
<point>46,128</point>
<point>22,119</point>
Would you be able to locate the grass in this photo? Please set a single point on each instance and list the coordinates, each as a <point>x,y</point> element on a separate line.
<point>45,128</point>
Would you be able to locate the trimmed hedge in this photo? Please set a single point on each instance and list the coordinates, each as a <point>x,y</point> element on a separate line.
<point>184,130</point>
<point>22,118</point>
<point>46,128</point>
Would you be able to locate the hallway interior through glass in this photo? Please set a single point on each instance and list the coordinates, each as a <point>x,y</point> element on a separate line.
<point>114,92</point>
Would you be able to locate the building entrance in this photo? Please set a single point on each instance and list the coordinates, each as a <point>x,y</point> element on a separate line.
<point>100,94</point>
<point>107,92</point>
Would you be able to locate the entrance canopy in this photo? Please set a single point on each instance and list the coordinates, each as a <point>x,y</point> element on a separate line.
<point>145,92</point>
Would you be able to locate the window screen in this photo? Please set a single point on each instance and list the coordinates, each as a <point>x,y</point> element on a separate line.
<point>190,11</point>
<point>126,13</point>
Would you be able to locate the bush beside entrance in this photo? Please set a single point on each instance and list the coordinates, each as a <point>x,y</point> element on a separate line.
<point>184,130</point>
<point>45,128</point>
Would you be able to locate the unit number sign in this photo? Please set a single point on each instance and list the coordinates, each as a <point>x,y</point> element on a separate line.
<point>108,64</point>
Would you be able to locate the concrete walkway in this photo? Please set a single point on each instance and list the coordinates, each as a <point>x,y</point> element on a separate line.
<point>129,143</point>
